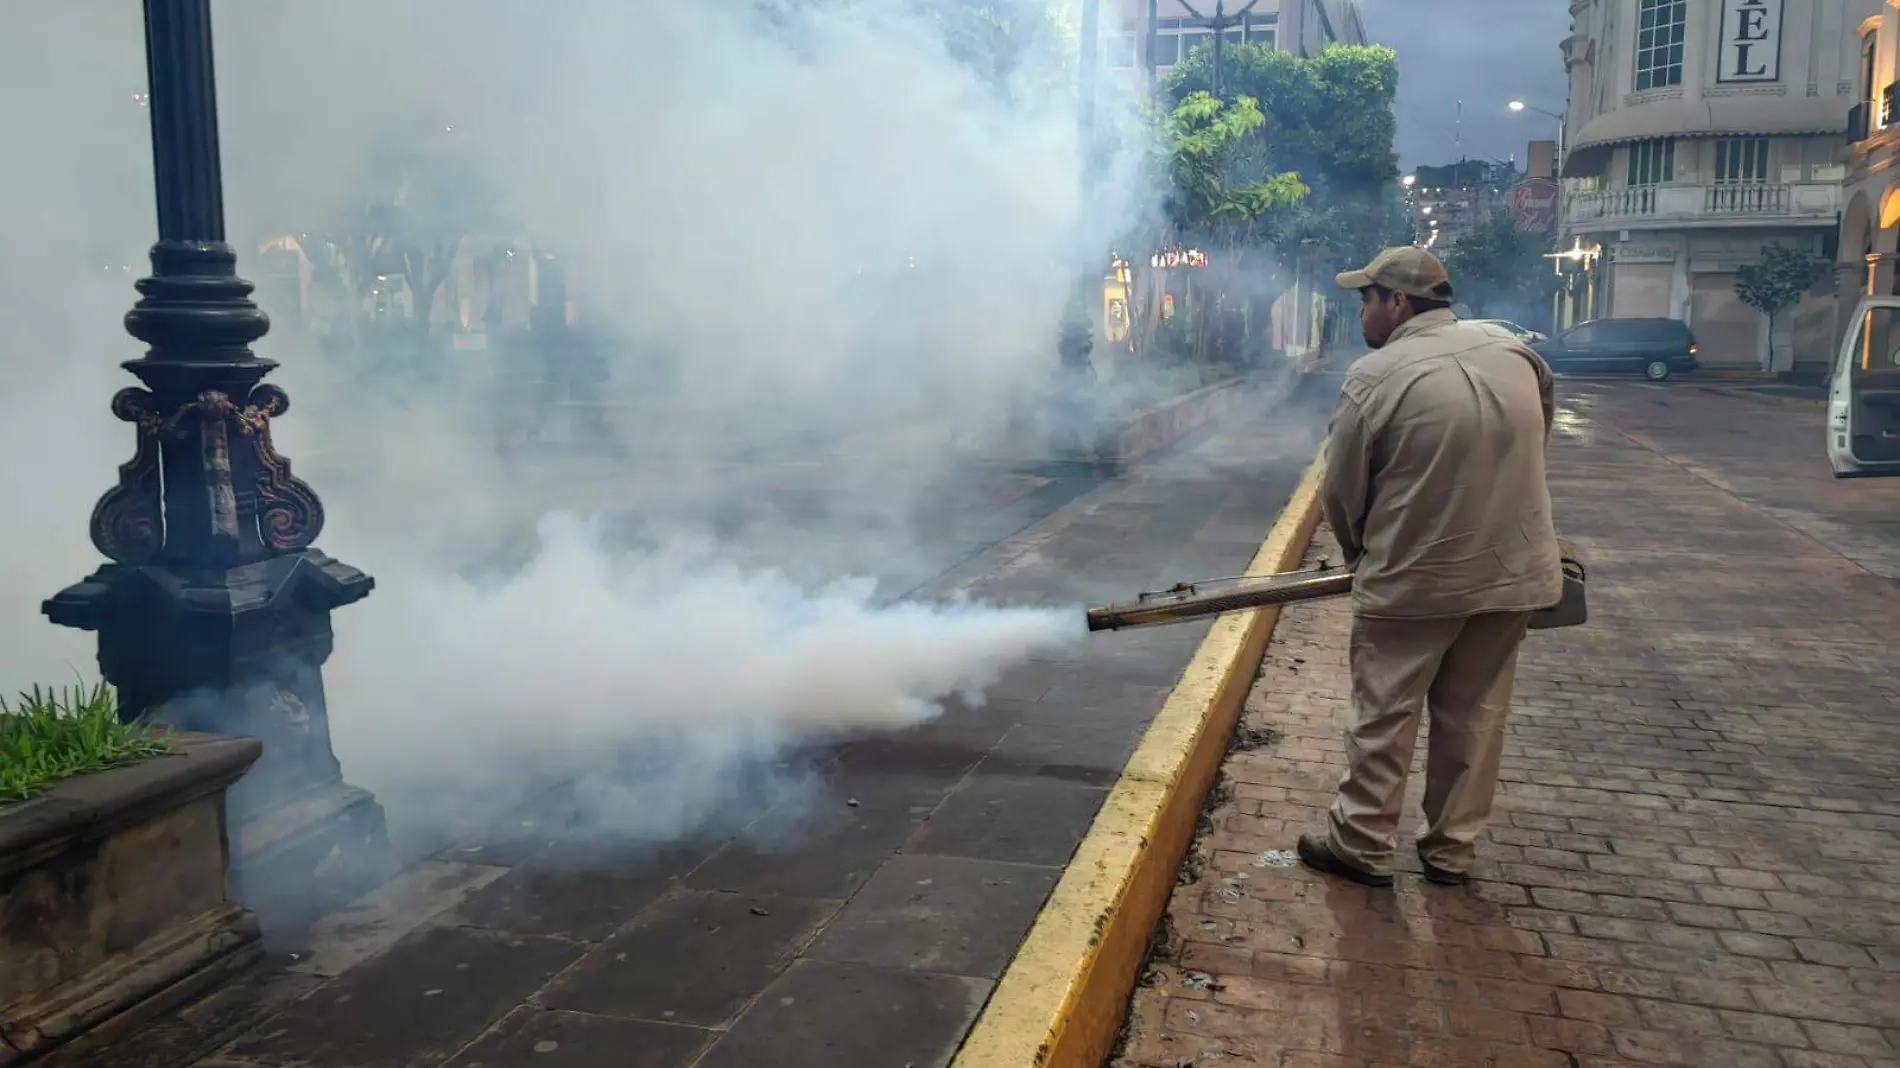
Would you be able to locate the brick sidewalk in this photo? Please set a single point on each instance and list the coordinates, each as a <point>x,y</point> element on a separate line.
<point>1696,855</point>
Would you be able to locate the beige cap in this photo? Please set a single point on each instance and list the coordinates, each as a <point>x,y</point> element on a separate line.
<point>1406,269</point>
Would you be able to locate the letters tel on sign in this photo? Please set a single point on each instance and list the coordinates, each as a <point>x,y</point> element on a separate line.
<point>1750,46</point>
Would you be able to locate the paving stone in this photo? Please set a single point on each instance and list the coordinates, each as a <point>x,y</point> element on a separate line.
<point>1094,755</point>
<point>1681,868</point>
<point>1082,701</point>
<point>910,754</point>
<point>976,729</point>
<point>1026,821</point>
<point>1028,682</point>
<point>543,1038</point>
<point>938,914</point>
<point>508,838</point>
<point>828,849</point>
<point>697,958</point>
<point>182,1038</point>
<point>580,888</point>
<point>825,1015</point>
<point>412,1007</point>
<point>379,919</point>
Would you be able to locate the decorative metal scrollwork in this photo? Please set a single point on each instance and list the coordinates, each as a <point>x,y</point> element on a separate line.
<point>128,524</point>
<point>289,515</point>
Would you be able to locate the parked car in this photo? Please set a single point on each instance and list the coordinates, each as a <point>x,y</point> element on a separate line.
<point>1655,348</point>
<point>1863,403</point>
<point>1510,329</point>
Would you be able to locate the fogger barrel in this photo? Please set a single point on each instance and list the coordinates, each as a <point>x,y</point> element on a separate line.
<point>1193,600</point>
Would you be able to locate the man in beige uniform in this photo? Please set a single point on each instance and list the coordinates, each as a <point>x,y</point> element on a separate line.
<point>1435,489</point>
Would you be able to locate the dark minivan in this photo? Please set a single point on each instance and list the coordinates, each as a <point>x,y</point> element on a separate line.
<point>1655,348</point>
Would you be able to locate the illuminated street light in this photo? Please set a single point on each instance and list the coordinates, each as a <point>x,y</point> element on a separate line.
<point>1562,122</point>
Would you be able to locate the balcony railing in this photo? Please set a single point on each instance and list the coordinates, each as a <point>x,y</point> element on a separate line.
<point>1749,198</point>
<point>1731,203</point>
<point>1614,203</point>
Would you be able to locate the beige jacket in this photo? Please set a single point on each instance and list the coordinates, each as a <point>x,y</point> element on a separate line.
<point>1435,483</point>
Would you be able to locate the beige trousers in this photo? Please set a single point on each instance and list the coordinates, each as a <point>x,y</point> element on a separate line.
<point>1463,670</point>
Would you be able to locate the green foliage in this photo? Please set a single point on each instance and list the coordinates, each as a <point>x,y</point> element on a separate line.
<point>1496,266</point>
<point>1017,47</point>
<point>1330,115</point>
<point>1328,119</point>
<point>1213,194</point>
<point>55,734</point>
<point>1775,283</point>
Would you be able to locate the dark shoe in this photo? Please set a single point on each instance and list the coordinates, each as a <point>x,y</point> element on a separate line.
<point>1318,855</point>
<point>1443,876</point>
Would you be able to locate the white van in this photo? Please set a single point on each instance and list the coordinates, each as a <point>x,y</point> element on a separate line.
<point>1863,396</point>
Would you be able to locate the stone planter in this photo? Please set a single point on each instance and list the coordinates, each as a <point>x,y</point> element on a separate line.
<point>114,899</point>
<point>1153,429</point>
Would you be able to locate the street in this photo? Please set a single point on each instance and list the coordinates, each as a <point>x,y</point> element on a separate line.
<point>656,635</point>
<point>864,926</point>
<point>1693,858</point>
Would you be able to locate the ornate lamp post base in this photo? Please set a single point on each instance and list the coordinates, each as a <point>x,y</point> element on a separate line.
<point>240,651</point>
<point>214,614</point>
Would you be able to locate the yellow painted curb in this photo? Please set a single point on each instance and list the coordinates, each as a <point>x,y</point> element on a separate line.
<point>1061,1003</point>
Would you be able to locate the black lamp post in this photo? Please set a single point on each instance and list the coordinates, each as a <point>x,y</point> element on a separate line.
<point>214,612</point>
<point>1220,24</point>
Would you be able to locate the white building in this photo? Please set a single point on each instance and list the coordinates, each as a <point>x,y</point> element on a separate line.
<point>1699,131</point>
<point>1870,216</point>
<point>1302,27</point>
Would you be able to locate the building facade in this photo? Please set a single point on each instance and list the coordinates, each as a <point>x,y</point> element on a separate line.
<point>1302,27</point>
<point>1449,202</point>
<point>1870,215</point>
<point>1698,132</point>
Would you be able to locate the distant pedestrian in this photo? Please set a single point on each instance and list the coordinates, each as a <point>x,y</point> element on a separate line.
<point>1435,488</point>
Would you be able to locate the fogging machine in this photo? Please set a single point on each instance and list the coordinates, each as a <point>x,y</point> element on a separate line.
<point>1193,600</point>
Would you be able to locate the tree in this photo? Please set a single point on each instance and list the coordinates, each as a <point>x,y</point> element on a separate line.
<point>1501,271</point>
<point>1219,197</point>
<point>1329,119</point>
<point>1017,47</point>
<point>1775,284</point>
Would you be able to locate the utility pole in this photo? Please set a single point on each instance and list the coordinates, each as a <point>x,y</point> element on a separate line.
<point>1154,39</point>
<point>1220,24</point>
<point>1077,340</point>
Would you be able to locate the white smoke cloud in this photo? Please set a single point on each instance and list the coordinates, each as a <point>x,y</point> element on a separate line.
<point>826,265</point>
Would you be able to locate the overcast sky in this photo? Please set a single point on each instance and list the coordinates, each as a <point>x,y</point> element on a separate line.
<point>1484,52</point>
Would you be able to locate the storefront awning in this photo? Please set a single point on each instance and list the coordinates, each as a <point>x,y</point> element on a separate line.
<point>1729,116</point>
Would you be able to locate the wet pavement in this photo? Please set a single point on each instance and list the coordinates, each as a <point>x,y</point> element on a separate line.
<point>864,924</point>
<point>1695,858</point>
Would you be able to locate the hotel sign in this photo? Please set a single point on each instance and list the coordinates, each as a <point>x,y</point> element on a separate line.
<point>1534,206</point>
<point>1750,46</point>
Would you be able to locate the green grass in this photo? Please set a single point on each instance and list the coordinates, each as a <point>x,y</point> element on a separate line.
<point>56,733</point>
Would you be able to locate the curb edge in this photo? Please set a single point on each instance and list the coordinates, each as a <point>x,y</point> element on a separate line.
<point>1061,1002</point>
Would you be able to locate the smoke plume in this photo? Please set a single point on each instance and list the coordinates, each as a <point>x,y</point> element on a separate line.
<point>816,263</point>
